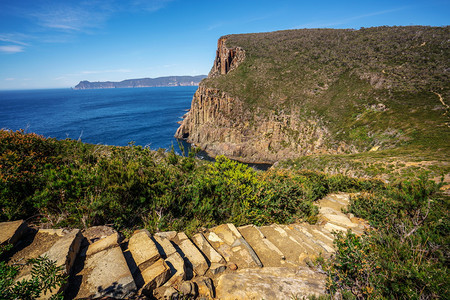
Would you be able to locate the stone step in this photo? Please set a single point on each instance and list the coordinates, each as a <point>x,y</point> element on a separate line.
<point>294,251</point>
<point>151,271</point>
<point>105,272</point>
<point>172,258</point>
<point>271,283</point>
<point>316,238</point>
<point>192,255</point>
<point>312,248</point>
<point>11,232</point>
<point>269,254</point>
<point>60,246</point>
<point>229,242</point>
<point>216,262</point>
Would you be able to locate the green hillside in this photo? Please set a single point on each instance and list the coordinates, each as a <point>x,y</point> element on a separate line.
<point>371,87</point>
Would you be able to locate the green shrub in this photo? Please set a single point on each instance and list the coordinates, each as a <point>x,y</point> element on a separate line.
<point>405,256</point>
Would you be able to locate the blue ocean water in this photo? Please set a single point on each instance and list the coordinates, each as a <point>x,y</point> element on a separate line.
<point>147,116</point>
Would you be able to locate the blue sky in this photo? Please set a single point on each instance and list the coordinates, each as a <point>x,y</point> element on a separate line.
<point>57,43</point>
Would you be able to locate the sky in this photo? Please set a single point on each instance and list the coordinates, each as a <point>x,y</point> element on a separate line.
<point>57,43</point>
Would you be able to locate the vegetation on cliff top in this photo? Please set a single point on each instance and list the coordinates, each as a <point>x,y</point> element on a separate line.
<point>384,86</point>
<point>69,183</point>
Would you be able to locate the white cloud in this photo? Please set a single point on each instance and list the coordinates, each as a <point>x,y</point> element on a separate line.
<point>11,49</point>
<point>10,79</point>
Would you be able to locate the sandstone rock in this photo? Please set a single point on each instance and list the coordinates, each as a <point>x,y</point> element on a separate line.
<point>177,269</point>
<point>232,266</point>
<point>270,283</point>
<point>202,243</point>
<point>227,240</point>
<point>95,233</point>
<point>269,254</point>
<point>65,250</point>
<point>106,273</point>
<point>103,244</point>
<point>143,249</point>
<point>166,293</point>
<point>188,288</point>
<point>217,268</point>
<point>166,247</point>
<point>166,235</point>
<point>205,287</point>
<point>192,254</point>
<point>155,275</point>
<point>11,232</point>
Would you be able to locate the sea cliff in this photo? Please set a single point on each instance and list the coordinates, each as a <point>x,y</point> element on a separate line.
<point>281,95</point>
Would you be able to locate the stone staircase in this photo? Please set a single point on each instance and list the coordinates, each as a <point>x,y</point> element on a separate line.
<point>224,262</point>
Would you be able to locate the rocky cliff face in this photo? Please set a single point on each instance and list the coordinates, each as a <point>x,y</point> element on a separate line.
<point>223,125</point>
<point>227,59</point>
<point>279,95</point>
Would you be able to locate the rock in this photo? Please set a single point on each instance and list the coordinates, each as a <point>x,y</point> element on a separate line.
<point>65,250</point>
<point>166,235</point>
<point>166,293</point>
<point>143,249</point>
<point>192,254</point>
<point>155,275</point>
<point>11,232</point>
<point>232,266</point>
<point>95,233</point>
<point>188,289</point>
<point>106,274</point>
<point>217,268</point>
<point>228,241</point>
<point>205,287</point>
<point>164,246</point>
<point>270,283</point>
<point>269,254</point>
<point>205,247</point>
<point>103,244</point>
<point>177,269</point>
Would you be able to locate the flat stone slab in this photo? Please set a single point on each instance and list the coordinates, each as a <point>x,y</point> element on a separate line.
<point>202,243</point>
<point>270,283</point>
<point>103,244</point>
<point>229,242</point>
<point>177,269</point>
<point>155,275</point>
<point>65,250</point>
<point>269,254</point>
<point>60,246</point>
<point>11,232</point>
<point>293,249</point>
<point>192,254</point>
<point>106,273</point>
<point>143,249</point>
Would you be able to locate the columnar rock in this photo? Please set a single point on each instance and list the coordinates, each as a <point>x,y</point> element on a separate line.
<point>105,272</point>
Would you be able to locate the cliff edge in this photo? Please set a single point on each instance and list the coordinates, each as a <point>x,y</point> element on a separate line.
<point>281,95</point>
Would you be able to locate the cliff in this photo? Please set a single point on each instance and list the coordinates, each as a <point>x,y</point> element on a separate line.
<point>142,82</point>
<point>281,95</point>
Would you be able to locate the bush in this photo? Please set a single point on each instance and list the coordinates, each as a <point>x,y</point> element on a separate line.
<point>405,256</point>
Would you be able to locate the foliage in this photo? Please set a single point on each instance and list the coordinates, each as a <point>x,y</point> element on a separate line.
<point>405,256</point>
<point>83,185</point>
<point>45,277</point>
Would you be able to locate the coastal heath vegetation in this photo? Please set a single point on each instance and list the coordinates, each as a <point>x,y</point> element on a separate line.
<point>73,184</point>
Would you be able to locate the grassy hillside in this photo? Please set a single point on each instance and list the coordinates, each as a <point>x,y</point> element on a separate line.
<point>386,87</point>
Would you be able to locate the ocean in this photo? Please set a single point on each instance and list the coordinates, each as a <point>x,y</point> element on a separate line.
<point>145,116</point>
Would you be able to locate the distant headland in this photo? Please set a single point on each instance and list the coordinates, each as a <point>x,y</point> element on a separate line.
<point>142,82</point>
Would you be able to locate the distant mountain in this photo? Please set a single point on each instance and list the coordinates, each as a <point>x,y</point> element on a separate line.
<point>142,82</point>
